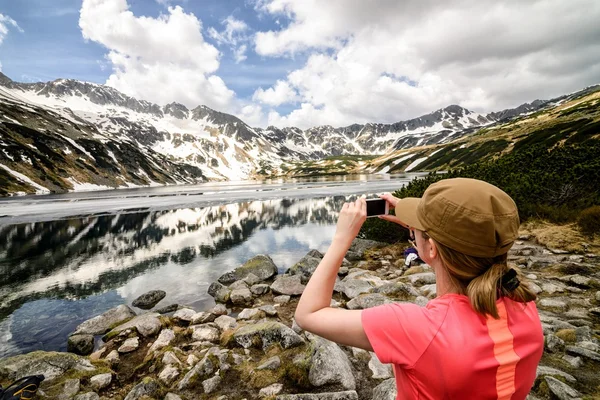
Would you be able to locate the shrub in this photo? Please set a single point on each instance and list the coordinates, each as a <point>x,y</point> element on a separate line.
<point>589,220</point>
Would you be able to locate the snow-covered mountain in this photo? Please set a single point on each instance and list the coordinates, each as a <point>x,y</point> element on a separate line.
<point>72,135</point>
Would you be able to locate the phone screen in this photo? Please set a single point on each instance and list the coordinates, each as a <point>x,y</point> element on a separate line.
<point>375,207</point>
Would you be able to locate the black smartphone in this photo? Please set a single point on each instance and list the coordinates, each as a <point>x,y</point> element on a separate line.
<point>377,207</point>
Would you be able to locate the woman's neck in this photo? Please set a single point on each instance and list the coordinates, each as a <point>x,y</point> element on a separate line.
<point>443,283</point>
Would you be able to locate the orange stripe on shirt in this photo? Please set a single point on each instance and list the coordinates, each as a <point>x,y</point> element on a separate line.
<point>504,352</point>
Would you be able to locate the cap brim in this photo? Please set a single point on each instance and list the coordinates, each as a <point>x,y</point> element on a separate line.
<point>406,211</point>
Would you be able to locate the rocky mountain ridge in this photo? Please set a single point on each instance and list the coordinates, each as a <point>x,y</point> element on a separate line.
<point>81,118</point>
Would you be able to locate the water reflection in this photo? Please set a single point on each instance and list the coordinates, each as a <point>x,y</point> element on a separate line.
<point>62,272</point>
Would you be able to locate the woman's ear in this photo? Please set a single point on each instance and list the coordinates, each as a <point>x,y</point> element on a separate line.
<point>433,251</point>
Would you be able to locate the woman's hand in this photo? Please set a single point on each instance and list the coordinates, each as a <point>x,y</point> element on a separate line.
<point>351,218</point>
<point>392,202</point>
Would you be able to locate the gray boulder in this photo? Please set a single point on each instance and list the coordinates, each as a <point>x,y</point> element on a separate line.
<point>102,323</point>
<point>423,278</point>
<point>211,384</point>
<point>347,395</point>
<point>147,387</point>
<point>129,345</point>
<point>386,390</point>
<point>354,287</point>
<point>359,247</point>
<point>260,289</point>
<point>583,352</point>
<point>203,368</point>
<point>306,266</point>
<point>185,314</point>
<point>263,335</point>
<point>397,290</point>
<point>71,388</point>
<point>101,381</point>
<point>87,396</point>
<point>149,299</point>
<point>367,301</point>
<point>379,370</point>
<point>145,324</point>
<point>49,364</point>
<point>561,390</point>
<point>241,296</point>
<point>219,292</point>
<point>262,266</point>
<point>81,344</point>
<point>288,284</point>
<point>163,340</point>
<point>330,365</point>
<point>205,333</point>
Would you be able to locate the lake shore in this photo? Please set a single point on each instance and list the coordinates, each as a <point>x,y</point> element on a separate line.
<point>248,346</point>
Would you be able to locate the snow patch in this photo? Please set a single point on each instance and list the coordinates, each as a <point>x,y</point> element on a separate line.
<point>415,163</point>
<point>39,188</point>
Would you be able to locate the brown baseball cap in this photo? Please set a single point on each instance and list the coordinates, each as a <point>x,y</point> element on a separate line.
<point>467,215</point>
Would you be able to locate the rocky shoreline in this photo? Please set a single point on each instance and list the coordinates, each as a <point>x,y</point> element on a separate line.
<point>249,347</point>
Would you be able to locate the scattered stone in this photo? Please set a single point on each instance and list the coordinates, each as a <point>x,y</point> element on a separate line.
<point>271,363</point>
<point>49,364</point>
<point>163,340</point>
<point>168,375</point>
<point>262,266</point>
<point>335,304</point>
<point>288,285</point>
<point>554,343</point>
<point>367,301</point>
<point>192,360</point>
<point>102,323</point>
<point>266,334</point>
<point>203,368</point>
<point>330,365</point>
<point>553,304</point>
<point>87,396</point>
<point>580,351</point>
<point>359,247</point>
<point>172,396</point>
<point>241,296</point>
<point>343,271</point>
<point>112,358</point>
<point>379,370</point>
<point>424,278</point>
<point>251,279</point>
<point>81,344</point>
<point>149,299</point>
<point>148,387</point>
<point>202,318</point>
<point>271,390</point>
<point>281,299</point>
<point>260,289</point>
<point>544,371</point>
<point>219,310</point>
<point>101,381</point>
<point>306,266</point>
<point>250,313</point>
<point>129,345</point>
<point>295,327</point>
<point>421,301</point>
<point>534,287</point>
<point>219,292</point>
<point>598,296</point>
<point>268,309</point>
<point>71,388</point>
<point>398,290</point>
<point>239,285</point>
<point>595,311</point>
<point>561,390</point>
<point>210,385</point>
<point>429,290</point>
<point>225,322</point>
<point>168,309</point>
<point>97,355</point>
<point>185,314</point>
<point>551,288</point>
<point>347,395</point>
<point>575,362</point>
<point>354,287</point>
<point>170,358</point>
<point>146,325</point>
<point>206,332</point>
<point>386,390</point>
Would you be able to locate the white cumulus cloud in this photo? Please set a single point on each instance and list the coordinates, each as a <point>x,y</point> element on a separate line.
<point>235,34</point>
<point>5,23</point>
<point>159,59</point>
<point>388,60</point>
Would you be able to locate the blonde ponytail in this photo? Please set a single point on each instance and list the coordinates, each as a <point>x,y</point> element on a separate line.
<point>481,280</point>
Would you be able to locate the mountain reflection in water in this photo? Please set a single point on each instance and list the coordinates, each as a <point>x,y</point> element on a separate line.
<point>54,275</point>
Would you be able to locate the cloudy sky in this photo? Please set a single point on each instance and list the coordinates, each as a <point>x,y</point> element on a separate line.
<point>310,62</point>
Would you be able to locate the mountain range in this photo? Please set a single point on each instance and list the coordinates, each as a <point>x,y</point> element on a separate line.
<point>68,135</point>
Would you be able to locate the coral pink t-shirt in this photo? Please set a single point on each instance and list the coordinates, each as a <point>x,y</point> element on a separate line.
<point>446,350</point>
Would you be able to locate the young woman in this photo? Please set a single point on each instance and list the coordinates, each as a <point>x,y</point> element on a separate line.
<point>481,337</point>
